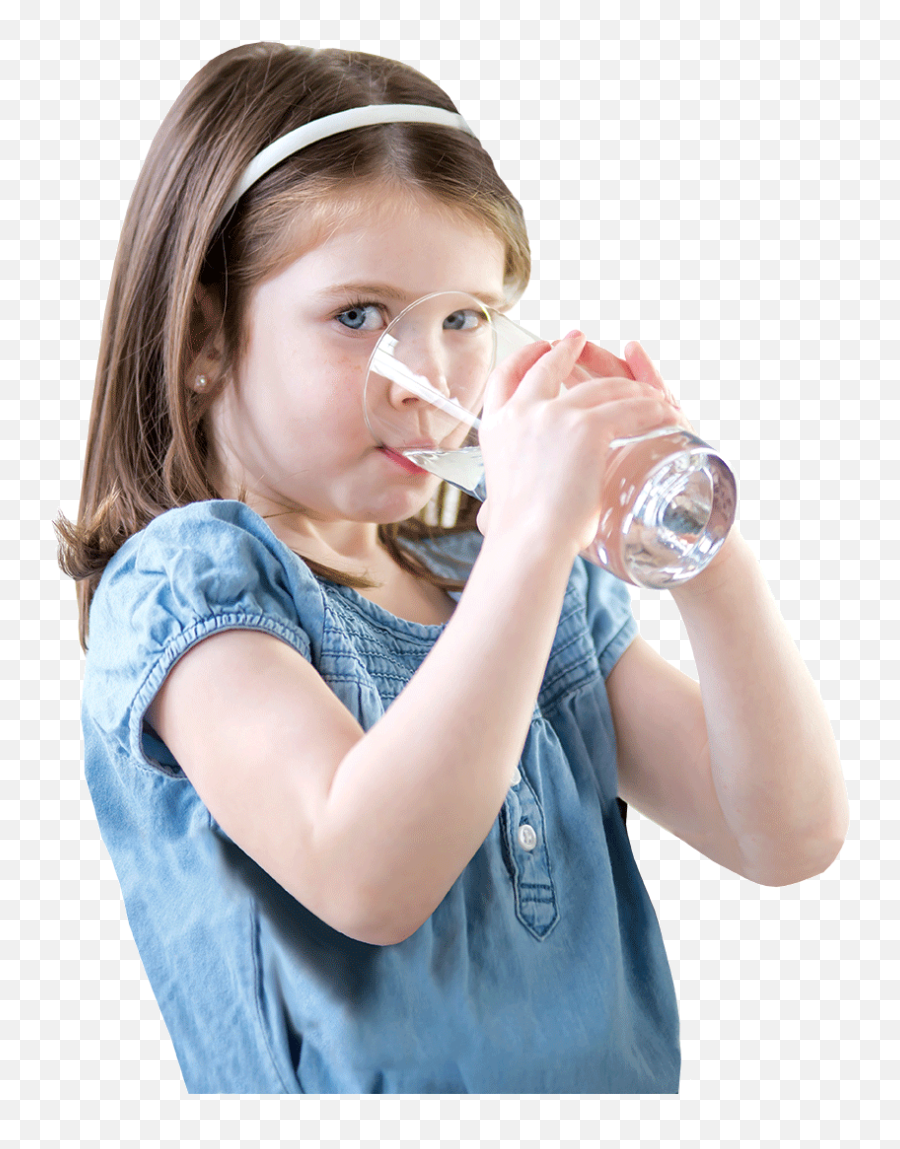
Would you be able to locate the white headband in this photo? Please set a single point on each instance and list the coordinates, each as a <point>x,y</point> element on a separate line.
<point>317,130</point>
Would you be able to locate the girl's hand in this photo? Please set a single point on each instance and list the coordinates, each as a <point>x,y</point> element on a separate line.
<point>636,365</point>
<point>641,367</point>
<point>549,416</point>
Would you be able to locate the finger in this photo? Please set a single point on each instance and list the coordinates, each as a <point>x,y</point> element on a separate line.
<point>602,363</point>
<point>506,377</point>
<point>628,413</point>
<point>642,368</point>
<point>593,392</point>
<point>597,363</point>
<point>623,418</point>
<point>600,393</point>
<point>545,379</point>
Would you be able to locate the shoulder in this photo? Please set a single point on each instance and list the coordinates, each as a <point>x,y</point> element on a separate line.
<point>220,535</point>
<point>198,566</point>
<point>192,572</point>
<point>216,529</point>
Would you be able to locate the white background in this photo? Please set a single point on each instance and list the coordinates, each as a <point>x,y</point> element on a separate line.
<point>717,180</point>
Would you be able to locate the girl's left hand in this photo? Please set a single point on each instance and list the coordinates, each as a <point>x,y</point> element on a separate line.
<point>602,364</point>
<point>636,365</point>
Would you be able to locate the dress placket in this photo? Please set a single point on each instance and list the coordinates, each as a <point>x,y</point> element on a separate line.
<point>528,859</point>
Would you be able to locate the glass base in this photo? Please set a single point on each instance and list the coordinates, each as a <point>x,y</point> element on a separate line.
<point>675,524</point>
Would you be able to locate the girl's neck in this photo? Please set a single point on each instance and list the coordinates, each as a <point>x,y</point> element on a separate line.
<point>353,548</point>
<point>346,546</point>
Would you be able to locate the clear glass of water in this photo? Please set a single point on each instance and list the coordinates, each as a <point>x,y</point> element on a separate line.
<point>668,501</point>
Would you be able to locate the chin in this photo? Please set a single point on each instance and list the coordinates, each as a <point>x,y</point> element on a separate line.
<point>395,510</point>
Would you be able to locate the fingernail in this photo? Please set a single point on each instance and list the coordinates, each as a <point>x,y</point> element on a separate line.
<point>575,335</point>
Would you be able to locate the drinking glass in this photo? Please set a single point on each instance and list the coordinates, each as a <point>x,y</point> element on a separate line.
<point>668,498</point>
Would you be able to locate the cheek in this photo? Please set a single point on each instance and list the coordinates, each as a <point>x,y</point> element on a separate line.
<point>348,366</point>
<point>341,386</point>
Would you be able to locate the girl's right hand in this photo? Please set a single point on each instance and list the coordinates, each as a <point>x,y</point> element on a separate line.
<point>545,444</point>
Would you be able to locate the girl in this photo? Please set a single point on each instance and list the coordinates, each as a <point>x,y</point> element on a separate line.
<point>362,777</point>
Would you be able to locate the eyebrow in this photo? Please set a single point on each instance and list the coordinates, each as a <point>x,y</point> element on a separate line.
<point>386,291</point>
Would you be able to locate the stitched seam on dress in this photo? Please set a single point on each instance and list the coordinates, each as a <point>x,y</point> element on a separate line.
<point>550,695</point>
<point>342,676</point>
<point>629,624</point>
<point>375,655</point>
<point>582,630</point>
<point>569,681</point>
<point>373,648</point>
<point>560,648</point>
<point>355,610</point>
<point>542,896</point>
<point>257,984</point>
<point>335,613</point>
<point>337,651</point>
<point>126,763</point>
<point>375,667</point>
<point>585,657</point>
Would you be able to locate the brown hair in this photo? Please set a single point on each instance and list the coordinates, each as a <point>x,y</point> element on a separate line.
<point>146,448</point>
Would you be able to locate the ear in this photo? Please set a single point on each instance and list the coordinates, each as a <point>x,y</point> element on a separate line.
<point>207,334</point>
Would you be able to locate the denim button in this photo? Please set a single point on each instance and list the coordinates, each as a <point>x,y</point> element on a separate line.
<point>527,837</point>
<point>517,777</point>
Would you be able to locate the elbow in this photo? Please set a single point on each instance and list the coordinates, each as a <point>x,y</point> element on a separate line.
<point>798,854</point>
<point>370,931</point>
<point>379,932</point>
<point>788,876</point>
<point>355,919</point>
<point>378,921</point>
<point>362,902</point>
<point>814,860</point>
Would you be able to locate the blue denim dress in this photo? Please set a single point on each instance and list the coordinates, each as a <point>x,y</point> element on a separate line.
<point>542,970</point>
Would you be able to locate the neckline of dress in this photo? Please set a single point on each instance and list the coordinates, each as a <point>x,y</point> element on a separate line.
<point>380,613</point>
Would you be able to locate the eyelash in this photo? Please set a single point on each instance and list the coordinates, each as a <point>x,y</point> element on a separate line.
<point>360,305</point>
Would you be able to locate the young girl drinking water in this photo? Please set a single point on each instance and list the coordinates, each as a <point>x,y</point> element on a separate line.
<point>362,777</point>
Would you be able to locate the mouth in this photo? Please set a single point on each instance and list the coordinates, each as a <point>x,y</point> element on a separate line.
<point>407,464</point>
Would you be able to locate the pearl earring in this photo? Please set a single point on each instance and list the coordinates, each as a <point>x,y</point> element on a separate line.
<point>200,383</point>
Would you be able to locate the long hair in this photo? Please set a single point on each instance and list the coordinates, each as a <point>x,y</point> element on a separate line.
<point>146,448</point>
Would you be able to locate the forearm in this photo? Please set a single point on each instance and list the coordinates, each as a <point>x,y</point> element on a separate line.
<point>412,802</point>
<point>772,753</point>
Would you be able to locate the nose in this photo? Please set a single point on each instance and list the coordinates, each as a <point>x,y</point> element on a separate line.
<point>421,356</point>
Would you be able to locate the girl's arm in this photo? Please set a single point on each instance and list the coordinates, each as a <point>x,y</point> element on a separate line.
<point>370,830</point>
<point>744,767</point>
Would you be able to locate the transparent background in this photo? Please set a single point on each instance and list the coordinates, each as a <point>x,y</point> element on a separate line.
<point>721,182</point>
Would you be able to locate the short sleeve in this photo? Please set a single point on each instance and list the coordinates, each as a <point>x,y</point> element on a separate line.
<point>609,616</point>
<point>192,572</point>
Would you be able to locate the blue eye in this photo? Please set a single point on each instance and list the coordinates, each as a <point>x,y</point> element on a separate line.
<point>362,317</point>
<point>463,321</point>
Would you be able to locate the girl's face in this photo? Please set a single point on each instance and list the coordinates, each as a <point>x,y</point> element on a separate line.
<point>289,425</point>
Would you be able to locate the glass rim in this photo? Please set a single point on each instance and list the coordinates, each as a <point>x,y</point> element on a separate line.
<point>489,311</point>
